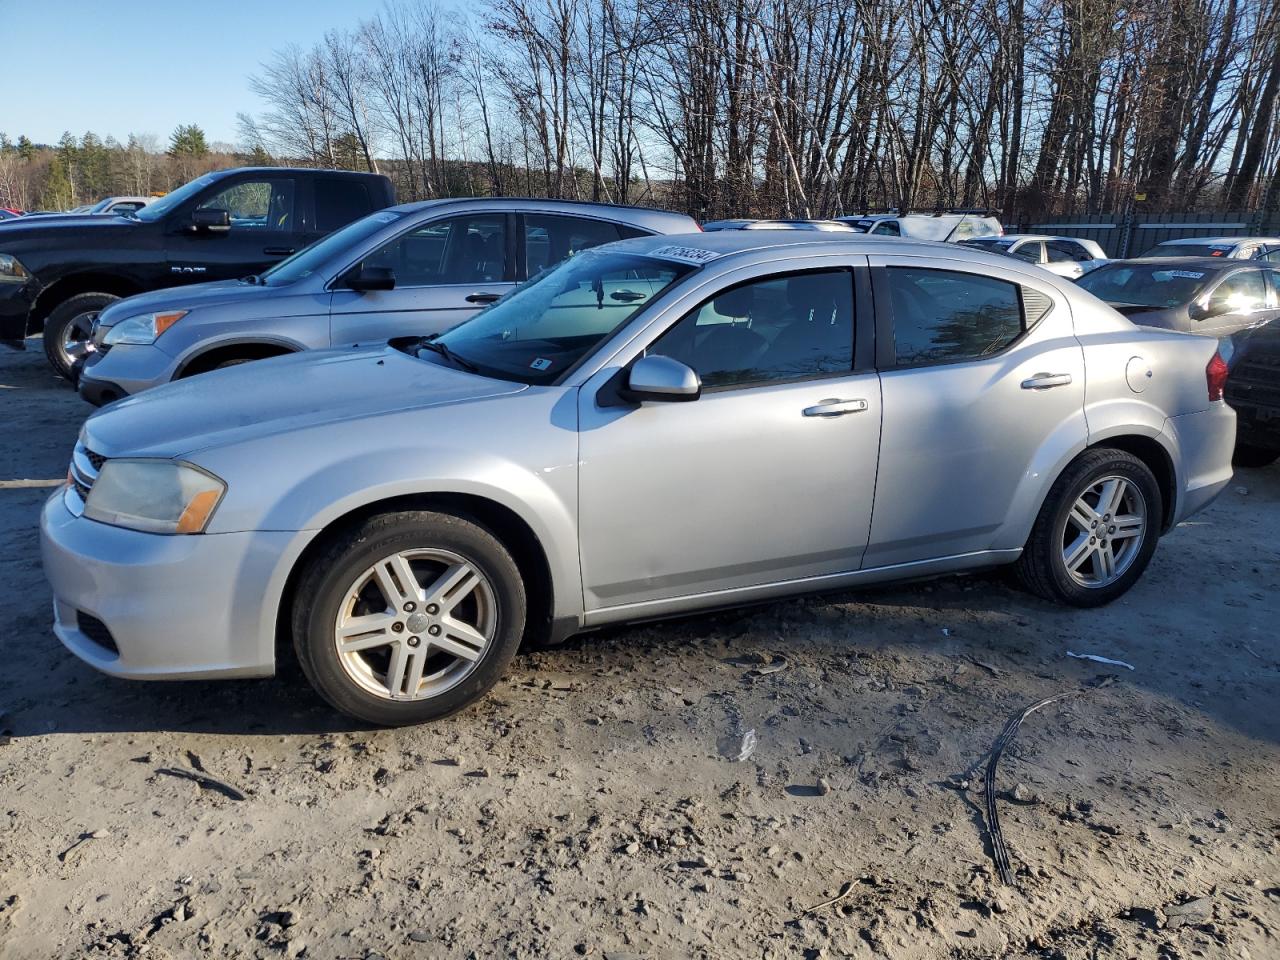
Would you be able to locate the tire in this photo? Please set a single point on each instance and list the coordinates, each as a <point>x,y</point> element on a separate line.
<point>233,363</point>
<point>405,630</point>
<point>1248,455</point>
<point>64,325</point>
<point>1043,568</point>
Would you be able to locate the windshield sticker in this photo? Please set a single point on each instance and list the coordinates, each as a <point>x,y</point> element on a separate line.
<point>1186,274</point>
<point>542,363</point>
<point>685,254</point>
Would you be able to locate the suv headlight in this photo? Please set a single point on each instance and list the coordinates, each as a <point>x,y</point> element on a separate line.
<point>11,271</point>
<point>143,328</point>
<point>154,496</point>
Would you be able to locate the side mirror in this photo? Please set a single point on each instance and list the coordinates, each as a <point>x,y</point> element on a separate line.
<point>211,221</point>
<point>659,378</point>
<point>1205,310</point>
<point>371,278</point>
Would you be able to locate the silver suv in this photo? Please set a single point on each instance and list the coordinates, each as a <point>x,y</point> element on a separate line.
<point>415,269</point>
<point>653,427</point>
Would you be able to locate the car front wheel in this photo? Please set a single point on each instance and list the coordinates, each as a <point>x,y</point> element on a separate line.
<point>408,617</point>
<point>1096,531</point>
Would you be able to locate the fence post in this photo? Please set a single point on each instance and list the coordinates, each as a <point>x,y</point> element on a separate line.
<point>1126,229</point>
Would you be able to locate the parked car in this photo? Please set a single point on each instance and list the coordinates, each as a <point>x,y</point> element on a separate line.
<point>653,427</point>
<point>57,272</point>
<point>1066,256</point>
<point>1253,390</point>
<point>410,270</point>
<point>117,205</point>
<point>826,226</point>
<point>953,227</point>
<point>1202,295</point>
<point>1232,248</point>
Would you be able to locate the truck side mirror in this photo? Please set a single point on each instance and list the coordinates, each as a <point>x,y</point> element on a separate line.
<point>207,220</point>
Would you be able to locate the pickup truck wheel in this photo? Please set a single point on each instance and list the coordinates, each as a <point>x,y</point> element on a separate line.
<point>67,329</point>
<point>408,617</point>
<point>1096,531</point>
<point>1248,455</point>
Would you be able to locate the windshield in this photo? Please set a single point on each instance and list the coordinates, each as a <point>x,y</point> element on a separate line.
<point>540,330</point>
<point>1188,250</point>
<point>310,259</point>
<point>1134,285</point>
<point>159,207</point>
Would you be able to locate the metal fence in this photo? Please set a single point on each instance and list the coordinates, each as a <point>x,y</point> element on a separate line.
<point>1128,235</point>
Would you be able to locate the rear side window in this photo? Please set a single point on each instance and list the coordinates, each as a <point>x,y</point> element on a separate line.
<point>550,239</point>
<point>338,202</point>
<point>887,228</point>
<point>944,316</point>
<point>1062,251</point>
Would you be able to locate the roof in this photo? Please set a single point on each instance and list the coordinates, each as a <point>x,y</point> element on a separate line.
<point>1225,241</point>
<point>609,211</point>
<point>724,243</point>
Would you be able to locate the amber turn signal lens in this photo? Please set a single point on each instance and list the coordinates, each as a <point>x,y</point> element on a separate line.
<point>196,515</point>
<point>166,320</point>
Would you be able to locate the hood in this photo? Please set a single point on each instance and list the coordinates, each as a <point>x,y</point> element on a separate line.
<point>50,226</point>
<point>277,396</point>
<point>189,297</point>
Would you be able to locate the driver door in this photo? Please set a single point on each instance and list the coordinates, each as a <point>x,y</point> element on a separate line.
<point>445,271</point>
<point>768,477</point>
<point>262,218</point>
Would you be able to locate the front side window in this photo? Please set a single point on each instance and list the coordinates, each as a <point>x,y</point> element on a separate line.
<point>1240,292</point>
<point>459,250</point>
<point>944,316</point>
<point>781,328</point>
<point>255,204</point>
<point>1062,251</point>
<point>543,328</point>
<point>550,239</point>
<point>1029,251</point>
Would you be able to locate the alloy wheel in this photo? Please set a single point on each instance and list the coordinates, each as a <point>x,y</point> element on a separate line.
<point>74,341</point>
<point>1104,531</point>
<point>415,624</point>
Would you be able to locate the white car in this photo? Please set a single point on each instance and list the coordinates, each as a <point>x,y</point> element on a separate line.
<point>1068,257</point>
<point>947,227</point>
<point>1233,248</point>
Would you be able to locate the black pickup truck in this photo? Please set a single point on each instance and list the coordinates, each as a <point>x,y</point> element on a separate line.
<point>1253,389</point>
<point>57,272</point>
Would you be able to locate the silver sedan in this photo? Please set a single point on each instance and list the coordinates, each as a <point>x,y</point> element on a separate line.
<point>654,427</point>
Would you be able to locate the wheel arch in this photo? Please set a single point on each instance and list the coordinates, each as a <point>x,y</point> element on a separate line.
<point>208,357</point>
<point>65,288</point>
<point>506,524</point>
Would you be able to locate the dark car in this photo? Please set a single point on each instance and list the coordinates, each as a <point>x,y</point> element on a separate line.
<point>1253,389</point>
<point>56,273</point>
<point>1214,297</point>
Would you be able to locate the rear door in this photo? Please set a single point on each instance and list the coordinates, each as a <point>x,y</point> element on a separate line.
<point>982,384</point>
<point>445,270</point>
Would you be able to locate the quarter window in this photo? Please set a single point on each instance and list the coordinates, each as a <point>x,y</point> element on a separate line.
<point>944,316</point>
<point>782,328</point>
<point>459,250</point>
<point>255,204</point>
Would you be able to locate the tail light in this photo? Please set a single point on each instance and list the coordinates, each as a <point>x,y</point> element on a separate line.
<point>1215,375</point>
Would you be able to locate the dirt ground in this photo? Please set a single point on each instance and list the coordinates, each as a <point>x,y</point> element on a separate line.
<point>593,805</point>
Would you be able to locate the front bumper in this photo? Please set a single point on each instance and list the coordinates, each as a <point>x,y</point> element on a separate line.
<point>155,607</point>
<point>16,301</point>
<point>123,370</point>
<point>1204,442</point>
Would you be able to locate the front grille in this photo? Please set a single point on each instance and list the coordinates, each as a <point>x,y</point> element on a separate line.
<point>97,631</point>
<point>85,467</point>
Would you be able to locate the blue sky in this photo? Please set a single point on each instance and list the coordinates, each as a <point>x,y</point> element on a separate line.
<point>145,66</point>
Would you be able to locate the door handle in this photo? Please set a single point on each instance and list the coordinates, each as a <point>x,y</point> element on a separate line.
<point>835,408</point>
<point>1043,381</point>
<point>277,251</point>
<point>482,297</point>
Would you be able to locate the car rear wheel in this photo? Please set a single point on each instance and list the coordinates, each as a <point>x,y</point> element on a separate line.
<point>67,330</point>
<point>1096,531</point>
<point>408,617</point>
<point>1248,455</point>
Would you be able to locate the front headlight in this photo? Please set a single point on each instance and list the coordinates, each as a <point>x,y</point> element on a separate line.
<point>155,496</point>
<point>11,271</point>
<point>143,328</point>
